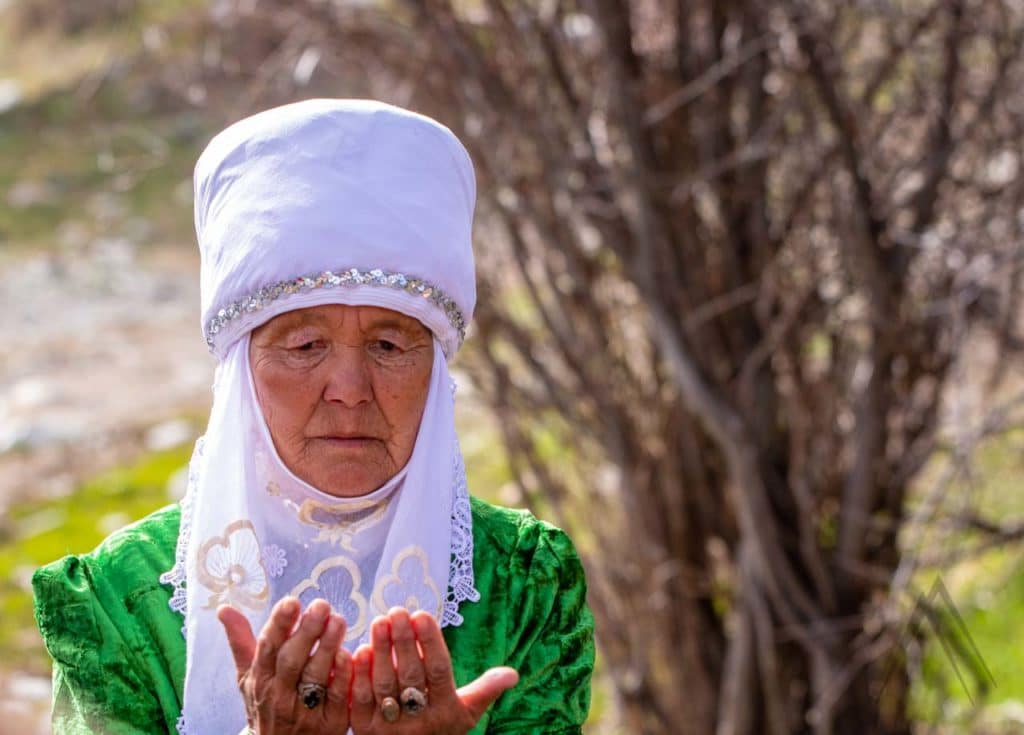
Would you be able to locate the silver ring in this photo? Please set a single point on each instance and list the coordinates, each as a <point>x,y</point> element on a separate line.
<point>311,694</point>
<point>413,701</point>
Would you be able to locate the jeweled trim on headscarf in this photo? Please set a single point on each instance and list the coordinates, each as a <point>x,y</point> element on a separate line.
<point>328,279</point>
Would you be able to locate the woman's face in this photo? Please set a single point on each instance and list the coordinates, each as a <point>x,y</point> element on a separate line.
<point>342,389</point>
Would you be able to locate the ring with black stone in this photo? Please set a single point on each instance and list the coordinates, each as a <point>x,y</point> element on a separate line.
<point>413,701</point>
<point>311,694</point>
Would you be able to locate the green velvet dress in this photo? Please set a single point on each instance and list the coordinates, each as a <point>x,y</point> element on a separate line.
<point>119,656</point>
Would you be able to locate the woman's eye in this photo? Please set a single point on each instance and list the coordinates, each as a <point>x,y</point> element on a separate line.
<point>308,346</point>
<point>386,351</point>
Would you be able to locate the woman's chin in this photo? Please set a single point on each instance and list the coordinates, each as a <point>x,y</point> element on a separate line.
<point>349,479</point>
<point>344,468</point>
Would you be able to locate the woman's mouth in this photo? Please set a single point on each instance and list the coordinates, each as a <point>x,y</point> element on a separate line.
<point>348,442</point>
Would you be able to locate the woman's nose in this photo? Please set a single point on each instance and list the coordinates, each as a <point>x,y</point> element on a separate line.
<point>348,376</point>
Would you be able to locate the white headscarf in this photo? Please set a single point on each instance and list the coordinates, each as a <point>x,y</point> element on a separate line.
<point>318,202</point>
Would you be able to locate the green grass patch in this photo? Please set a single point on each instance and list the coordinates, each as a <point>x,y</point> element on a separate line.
<point>38,533</point>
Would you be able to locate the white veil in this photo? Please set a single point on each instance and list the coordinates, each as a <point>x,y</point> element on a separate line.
<point>253,532</point>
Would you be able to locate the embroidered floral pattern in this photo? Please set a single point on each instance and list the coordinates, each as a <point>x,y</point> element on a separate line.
<point>337,579</point>
<point>274,560</point>
<point>231,566</point>
<point>339,525</point>
<point>409,584</point>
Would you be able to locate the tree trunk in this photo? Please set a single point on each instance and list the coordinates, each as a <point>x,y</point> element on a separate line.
<point>728,253</point>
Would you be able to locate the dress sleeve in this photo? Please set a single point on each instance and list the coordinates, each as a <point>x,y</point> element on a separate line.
<point>99,685</point>
<point>551,641</point>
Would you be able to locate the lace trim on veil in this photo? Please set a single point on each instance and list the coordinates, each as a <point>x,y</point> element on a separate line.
<point>461,582</point>
<point>176,576</point>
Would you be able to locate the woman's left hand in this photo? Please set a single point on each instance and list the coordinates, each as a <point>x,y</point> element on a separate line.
<point>392,664</point>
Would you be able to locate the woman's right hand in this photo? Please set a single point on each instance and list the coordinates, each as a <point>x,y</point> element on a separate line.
<point>271,668</point>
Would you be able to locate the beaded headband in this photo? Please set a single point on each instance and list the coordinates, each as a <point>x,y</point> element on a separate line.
<point>328,279</point>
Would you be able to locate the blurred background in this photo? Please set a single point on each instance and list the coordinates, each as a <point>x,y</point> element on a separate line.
<point>750,320</point>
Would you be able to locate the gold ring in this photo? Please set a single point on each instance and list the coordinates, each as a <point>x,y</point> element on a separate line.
<point>390,709</point>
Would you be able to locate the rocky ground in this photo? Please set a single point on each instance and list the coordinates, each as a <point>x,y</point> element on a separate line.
<point>102,344</point>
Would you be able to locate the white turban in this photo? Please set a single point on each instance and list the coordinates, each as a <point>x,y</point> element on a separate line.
<point>322,202</point>
<point>319,188</point>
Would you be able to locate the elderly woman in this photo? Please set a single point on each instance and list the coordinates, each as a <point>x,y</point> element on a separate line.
<point>327,571</point>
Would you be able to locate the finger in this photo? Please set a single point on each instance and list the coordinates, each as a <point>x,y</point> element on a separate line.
<point>336,710</point>
<point>318,667</point>
<point>274,634</point>
<point>384,681</point>
<point>294,653</point>
<point>408,664</point>
<point>240,637</point>
<point>480,694</point>
<point>437,664</point>
<point>363,702</point>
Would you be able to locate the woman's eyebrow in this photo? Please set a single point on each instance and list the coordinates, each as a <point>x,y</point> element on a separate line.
<point>391,323</point>
<point>292,322</point>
